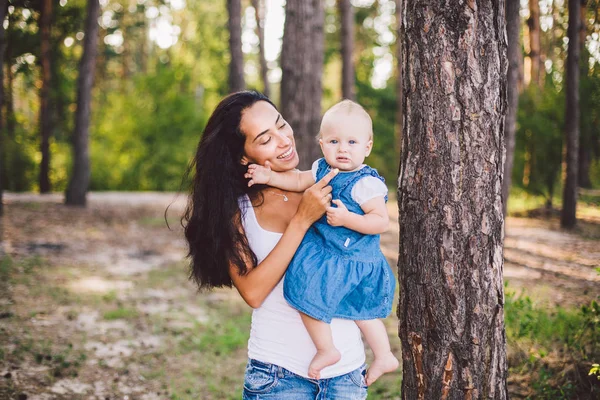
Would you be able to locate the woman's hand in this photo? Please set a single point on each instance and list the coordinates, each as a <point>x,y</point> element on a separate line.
<point>315,200</point>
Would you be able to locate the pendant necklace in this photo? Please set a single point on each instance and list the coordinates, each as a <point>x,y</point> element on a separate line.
<point>285,198</point>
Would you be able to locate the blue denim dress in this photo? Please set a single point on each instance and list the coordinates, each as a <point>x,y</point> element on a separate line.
<point>338,272</point>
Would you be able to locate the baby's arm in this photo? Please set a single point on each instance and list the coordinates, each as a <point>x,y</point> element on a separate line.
<point>294,181</point>
<point>374,221</point>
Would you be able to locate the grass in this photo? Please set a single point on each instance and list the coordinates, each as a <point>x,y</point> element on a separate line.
<point>121,313</point>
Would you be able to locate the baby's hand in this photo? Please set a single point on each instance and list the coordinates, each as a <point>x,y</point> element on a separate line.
<point>258,174</point>
<point>336,216</point>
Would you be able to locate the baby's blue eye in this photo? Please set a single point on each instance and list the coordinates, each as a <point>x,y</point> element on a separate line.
<point>352,141</point>
<point>333,141</point>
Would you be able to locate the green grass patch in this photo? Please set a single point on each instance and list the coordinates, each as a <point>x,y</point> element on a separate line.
<point>121,313</point>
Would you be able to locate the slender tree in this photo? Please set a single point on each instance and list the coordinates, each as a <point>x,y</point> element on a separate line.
<point>535,41</point>
<point>80,175</point>
<point>513,25</point>
<point>260,12</point>
<point>3,11</point>
<point>45,106</point>
<point>450,263</point>
<point>347,31</point>
<point>236,66</point>
<point>585,145</point>
<point>567,216</point>
<point>302,68</point>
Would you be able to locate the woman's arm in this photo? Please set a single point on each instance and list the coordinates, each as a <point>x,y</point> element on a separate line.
<point>375,220</point>
<point>259,281</point>
<point>294,181</point>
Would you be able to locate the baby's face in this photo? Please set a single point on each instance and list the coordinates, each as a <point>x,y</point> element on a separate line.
<point>345,142</point>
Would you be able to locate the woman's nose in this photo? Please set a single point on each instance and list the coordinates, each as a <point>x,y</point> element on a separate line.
<point>284,140</point>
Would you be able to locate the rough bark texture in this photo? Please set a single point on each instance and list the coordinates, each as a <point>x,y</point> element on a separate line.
<point>347,31</point>
<point>302,68</point>
<point>450,198</point>
<point>236,66</point>
<point>80,178</point>
<point>534,41</point>
<point>567,216</point>
<point>3,11</point>
<point>513,25</point>
<point>260,10</point>
<point>45,114</point>
<point>399,90</point>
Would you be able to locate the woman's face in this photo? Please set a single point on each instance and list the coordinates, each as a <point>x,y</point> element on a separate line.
<point>268,138</point>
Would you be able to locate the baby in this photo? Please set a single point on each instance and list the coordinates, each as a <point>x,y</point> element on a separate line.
<point>339,270</point>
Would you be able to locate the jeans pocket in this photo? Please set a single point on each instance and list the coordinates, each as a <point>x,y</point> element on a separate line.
<point>359,377</point>
<point>260,377</point>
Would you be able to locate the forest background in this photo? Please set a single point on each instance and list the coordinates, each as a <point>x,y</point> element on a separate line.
<point>161,68</point>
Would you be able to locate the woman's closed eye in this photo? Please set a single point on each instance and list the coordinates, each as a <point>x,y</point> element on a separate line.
<point>283,125</point>
<point>266,141</point>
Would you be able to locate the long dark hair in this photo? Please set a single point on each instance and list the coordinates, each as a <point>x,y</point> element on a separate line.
<point>212,219</point>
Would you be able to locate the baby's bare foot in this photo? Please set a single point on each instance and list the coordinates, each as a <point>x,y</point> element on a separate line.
<point>322,359</point>
<point>380,366</point>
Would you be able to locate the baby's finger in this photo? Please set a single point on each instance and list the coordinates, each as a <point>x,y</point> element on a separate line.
<point>251,182</point>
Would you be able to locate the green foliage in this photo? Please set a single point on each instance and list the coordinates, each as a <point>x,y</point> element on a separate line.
<point>146,136</point>
<point>539,137</point>
<point>575,333</point>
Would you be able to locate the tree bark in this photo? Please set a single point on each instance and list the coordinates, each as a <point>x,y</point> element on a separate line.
<point>236,66</point>
<point>513,25</point>
<point>567,216</point>
<point>3,12</point>
<point>45,110</point>
<point>399,90</point>
<point>347,31</point>
<point>534,41</point>
<point>302,68</point>
<point>450,263</point>
<point>260,11</point>
<point>80,178</point>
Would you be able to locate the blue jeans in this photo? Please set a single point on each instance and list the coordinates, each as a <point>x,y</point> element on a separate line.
<point>269,381</point>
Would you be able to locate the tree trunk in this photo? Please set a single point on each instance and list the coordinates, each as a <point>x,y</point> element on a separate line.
<point>567,216</point>
<point>302,68</point>
<point>3,12</point>
<point>534,40</point>
<point>236,66</point>
<point>450,263</point>
<point>45,114</point>
<point>347,31</point>
<point>80,178</point>
<point>399,90</point>
<point>513,25</point>
<point>260,11</point>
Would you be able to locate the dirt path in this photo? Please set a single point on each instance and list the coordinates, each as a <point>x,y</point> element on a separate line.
<point>95,303</point>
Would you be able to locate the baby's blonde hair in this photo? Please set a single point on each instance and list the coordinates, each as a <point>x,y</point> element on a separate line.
<point>346,108</point>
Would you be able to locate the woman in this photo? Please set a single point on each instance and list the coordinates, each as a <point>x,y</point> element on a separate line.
<point>246,237</point>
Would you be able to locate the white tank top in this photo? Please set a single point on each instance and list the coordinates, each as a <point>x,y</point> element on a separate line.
<point>277,335</point>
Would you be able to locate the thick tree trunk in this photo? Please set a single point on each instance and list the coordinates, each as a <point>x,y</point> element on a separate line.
<point>567,217</point>
<point>302,68</point>
<point>3,11</point>
<point>45,114</point>
<point>80,178</point>
<point>450,195</point>
<point>347,31</point>
<point>399,90</point>
<point>260,11</point>
<point>513,25</point>
<point>236,66</point>
<point>534,41</point>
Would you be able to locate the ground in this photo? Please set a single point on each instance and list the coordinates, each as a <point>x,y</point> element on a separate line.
<point>95,302</point>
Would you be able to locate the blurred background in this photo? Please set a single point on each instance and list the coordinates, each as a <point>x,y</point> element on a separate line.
<point>94,301</point>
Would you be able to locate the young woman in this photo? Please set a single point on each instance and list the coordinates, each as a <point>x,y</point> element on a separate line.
<point>246,236</point>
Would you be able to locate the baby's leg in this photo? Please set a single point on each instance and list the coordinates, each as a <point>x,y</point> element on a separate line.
<point>327,354</point>
<point>377,338</point>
